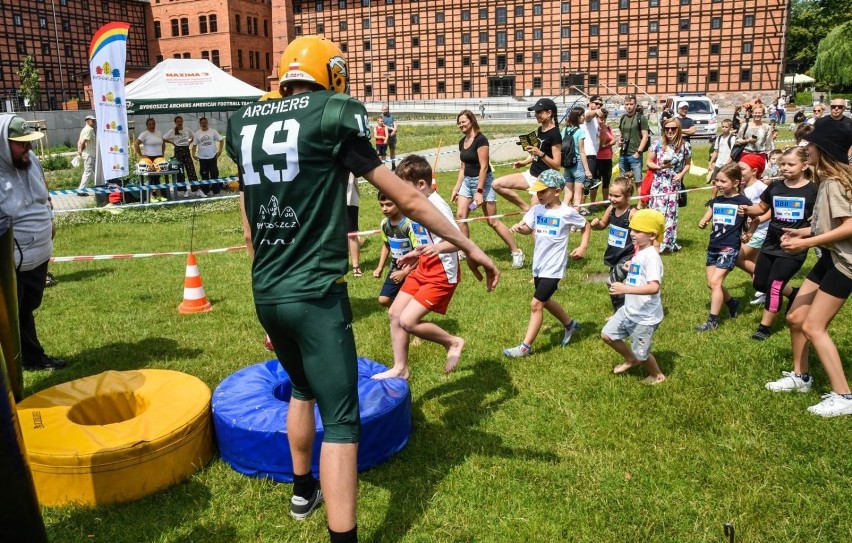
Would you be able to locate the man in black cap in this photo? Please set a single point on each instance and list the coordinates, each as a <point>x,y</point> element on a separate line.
<point>24,198</point>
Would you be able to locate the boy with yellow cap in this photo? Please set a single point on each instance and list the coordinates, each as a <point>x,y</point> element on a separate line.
<point>642,311</point>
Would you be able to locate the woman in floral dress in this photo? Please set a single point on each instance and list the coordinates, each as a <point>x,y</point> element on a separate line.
<point>669,159</point>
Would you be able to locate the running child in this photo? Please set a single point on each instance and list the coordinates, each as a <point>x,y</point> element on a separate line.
<point>399,240</point>
<point>551,221</point>
<point>724,245</point>
<point>791,203</point>
<point>642,311</point>
<point>619,247</point>
<point>751,167</point>
<point>430,287</point>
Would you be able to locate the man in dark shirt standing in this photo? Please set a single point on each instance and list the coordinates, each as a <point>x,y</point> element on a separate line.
<point>687,125</point>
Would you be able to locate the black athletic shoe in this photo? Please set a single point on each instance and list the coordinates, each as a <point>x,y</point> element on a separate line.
<point>300,508</point>
<point>46,363</point>
<point>733,308</point>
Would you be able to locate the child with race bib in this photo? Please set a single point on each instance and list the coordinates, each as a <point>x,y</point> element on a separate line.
<point>619,246</point>
<point>551,222</point>
<point>751,167</point>
<point>724,245</point>
<point>399,240</point>
<point>791,203</point>
<point>642,312</point>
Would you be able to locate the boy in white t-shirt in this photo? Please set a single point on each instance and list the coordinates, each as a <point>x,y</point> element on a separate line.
<point>642,311</point>
<point>551,221</point>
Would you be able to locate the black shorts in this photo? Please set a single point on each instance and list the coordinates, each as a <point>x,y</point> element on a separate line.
<point>593,165</point>
<point>351,218</point>
<point>545,287</point>
<point>829,278</point>
<point>389,288</point>
<point>392,142</point>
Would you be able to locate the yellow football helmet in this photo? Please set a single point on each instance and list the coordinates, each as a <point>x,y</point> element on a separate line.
<point>145,165</point>
<point>316,60</point>
<point>161,164</point>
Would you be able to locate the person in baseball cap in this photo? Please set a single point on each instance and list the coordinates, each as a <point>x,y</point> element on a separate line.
<point>682,105</point>
<point>20,130</point>
<point>549,179</point>
<point>544,104</point>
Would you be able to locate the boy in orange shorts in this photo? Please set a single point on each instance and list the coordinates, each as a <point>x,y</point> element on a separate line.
<point>430,287</point>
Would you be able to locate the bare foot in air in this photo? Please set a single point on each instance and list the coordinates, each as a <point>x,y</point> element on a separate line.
<point>453,355</point>
<point>394,372</point>
<point>621,368</point>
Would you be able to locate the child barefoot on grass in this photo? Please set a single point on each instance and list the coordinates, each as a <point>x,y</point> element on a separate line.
<point>724,246</point>
<point>619,248</point>
<point>551,220</point>
<point>430,287</point>
<point>642,311</point>
<point>399,240</point>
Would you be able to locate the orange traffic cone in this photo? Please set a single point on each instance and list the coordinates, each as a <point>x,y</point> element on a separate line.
<point>434,184</point>
<point>194,299</point>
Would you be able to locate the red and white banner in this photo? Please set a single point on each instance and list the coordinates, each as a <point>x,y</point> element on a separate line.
<point>107,60</point>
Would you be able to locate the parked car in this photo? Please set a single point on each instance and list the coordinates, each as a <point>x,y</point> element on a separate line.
<point>701,110</point>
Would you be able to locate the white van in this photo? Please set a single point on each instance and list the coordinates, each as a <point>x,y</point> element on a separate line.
<point>701,110</point>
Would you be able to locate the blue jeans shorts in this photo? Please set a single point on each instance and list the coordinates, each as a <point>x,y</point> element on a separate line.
<point>469,184</point>
<point>724,258</point>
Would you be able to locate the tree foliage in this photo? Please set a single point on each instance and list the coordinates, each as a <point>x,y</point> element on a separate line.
<point>30,85</point>
<point>834,57</point>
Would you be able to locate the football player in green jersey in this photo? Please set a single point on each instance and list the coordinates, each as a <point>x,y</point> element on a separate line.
<point>294,156</point>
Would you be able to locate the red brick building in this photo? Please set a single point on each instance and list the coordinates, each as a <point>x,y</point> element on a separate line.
<point>57,33</point>
<point>235,35</point>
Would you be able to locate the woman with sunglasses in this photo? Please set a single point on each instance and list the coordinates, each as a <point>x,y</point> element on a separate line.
<point>669,159</point>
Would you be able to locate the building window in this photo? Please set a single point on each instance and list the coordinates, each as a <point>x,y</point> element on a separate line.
<point>466,86</point>
<point>176,55</point>
<point>483,13</point>
<point>202,26</point>
<point>42,22</point>
<point>483,60</point>
<point>415,88</point>
<point>623,28</point>
<point>365,3</point>
<point>684,24</point>
<point>342,26</point>
<point>745,75</point>
<point>595,5</point>
<point>747,47</point>
<point>239,58</point>
<point>298,30</point>
<point>682,78</point>
<point>415,64</point>
<point>66,26</point>
<point>365,22</point>
<point>391,43</point>
<point>318,6</point>
<point>367,45</point>
<point>483,37</point>
<point>45,49</point>
<point>205,55</point>
<point>538,9</point>
<point>565,56</point>
<point>391,66</point>
<point>519,35</point>
<point>622,79</point>
<point>441,87</point>
<point>389,20</point>
<point>175,27</point>
<point>501,62</point>
<point>439,39</point>
<point>593,54</point>
<point>519,58</point>
<point>538,33</point>
<point>683,50</point>
<point>654,3</point>
<point>565,7</point>
<point>652,51</point>
<point>214,57</point>
<point>392,89</point>
<point>566,32</point>
<point>651,78</point>
<point>297,6</point>
<point>415,41</point>
<point>248,25</point>
<point>593,80</point>
<point>17,20</point>
<point>440,62</point>
<point>465,61</point>
<point>465,16</point>
<point>623,4</point>
<point>341,4</point>
<point>69,51</point>
<point>594,30</point>
<point>415,19</point>
<point>538,58</point>
<point>748,20</point>
<point>237,24</point>
<point>439,17</point>
<point>343,47</point>
<point>158,33</point>
<point>184,27</point>
<point>713,76</point>
<point>466,37</point>
<point>536,82</point>
<point>501,16</point>
<point>519,11</point>
<point>214,25</point>
<point>685,2</point>
<point>715,48</point>
<point>368,67</point>
<point>716,22</point>
<point>320,28</point>
<point>654,26</point>
<point>368,89</point>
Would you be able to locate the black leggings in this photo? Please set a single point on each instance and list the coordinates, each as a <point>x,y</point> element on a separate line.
<point>604,172</point>
<point>771,274</point>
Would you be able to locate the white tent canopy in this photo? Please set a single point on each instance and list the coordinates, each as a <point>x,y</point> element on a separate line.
<point>798,79</point>
<point>187,86</point>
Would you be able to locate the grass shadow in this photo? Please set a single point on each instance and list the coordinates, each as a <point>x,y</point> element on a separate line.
<point>364,307</point>
<point>80,275</point>
<point>445,442</point>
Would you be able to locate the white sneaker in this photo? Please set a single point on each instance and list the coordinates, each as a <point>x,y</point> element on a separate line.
<point>832,405</point>
<point>518,259</point>
<point>790,383</point>
<point>198,193</point>
<point>759,298</point>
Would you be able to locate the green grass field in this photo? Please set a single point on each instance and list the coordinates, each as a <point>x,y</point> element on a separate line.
<point>548,448</point>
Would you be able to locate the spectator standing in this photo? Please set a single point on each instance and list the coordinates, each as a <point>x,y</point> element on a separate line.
<point>755,135</point>
<point>206,147</point>
<point>149,144</point>
<point>687,125</point>
<point>605,154</point>
<point>634,139</point>
<point>390,122</point>
<point>380,136</point>
<point>819,109</point>
<point>594,127</point>
<point>837,107</point>
<point>87,150</point>
<point>481,109</point>
<point>670,159</point>
<point>782,109</point>
<point>25,200</point>
<point>180,138</point>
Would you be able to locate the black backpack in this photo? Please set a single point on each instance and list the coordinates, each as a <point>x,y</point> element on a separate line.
<point>569,151</point>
